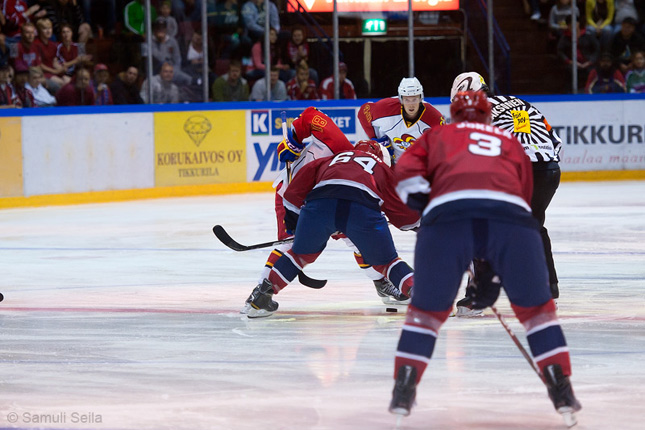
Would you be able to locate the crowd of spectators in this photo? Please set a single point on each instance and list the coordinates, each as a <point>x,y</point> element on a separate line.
<point>610,40</point>
<point>95,52</point>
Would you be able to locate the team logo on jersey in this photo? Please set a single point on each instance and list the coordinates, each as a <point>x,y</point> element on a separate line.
<point>197,127</point>
<point>403,142</point>
<point>318,123</point>
<point>521,123</point>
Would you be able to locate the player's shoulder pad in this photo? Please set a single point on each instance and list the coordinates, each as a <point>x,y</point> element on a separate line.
<point>431,115</point>
<point>386,107</point>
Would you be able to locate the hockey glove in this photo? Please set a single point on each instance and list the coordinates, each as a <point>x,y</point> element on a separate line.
<point>387,143</point>
<point>289,149</point>
<point>483,288</point>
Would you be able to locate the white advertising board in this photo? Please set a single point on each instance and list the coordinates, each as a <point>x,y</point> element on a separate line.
<point>80,153</point>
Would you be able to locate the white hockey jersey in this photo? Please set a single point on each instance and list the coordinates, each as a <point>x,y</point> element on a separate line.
<point>385,117</point>
<point>528,125</point>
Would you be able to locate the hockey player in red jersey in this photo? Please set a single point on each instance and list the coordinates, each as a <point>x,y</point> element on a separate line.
<point>473,184</point>
<point>396,122</point>
<point>541,144</point>
<point>311,136</point>
<point>346,193</point>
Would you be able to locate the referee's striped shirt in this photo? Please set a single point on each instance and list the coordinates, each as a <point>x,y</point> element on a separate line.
<point>541,143</point>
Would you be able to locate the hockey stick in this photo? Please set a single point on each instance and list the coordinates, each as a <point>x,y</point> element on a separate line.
<point>227,240</point>
<point>519,344</point>
<point>283,117</point>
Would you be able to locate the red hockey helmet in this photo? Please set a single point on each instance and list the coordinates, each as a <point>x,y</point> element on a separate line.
<point>470,106</point>
<point>373,147</point>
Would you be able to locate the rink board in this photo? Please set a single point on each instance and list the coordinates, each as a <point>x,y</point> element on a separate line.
<point>68,155</point>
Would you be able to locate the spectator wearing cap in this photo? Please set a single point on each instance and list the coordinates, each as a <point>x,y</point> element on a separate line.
<point>625,42</point>
<point>165,49</point>
<point>346,90</point>
<point>102,93</point>
<point>78,92</point>
<point>42,97</point>
<point>125,88</point>
<point>24,97</point>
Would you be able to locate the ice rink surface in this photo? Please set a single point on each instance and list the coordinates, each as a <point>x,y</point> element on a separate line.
<point>125,316</point>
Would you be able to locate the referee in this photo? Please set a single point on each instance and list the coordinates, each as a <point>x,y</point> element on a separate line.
<point>542,145</point>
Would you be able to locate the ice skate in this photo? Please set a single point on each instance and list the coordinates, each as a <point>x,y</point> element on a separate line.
<point>465,310</point>
<point>561,394</point>
<point>389,294</point>
<point>261,302</point>
<point>404,392</point>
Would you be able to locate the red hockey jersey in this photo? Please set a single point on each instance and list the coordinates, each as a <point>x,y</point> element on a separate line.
<point>321,136</point>
<point>385,117</point>
<point>352,175</point>
<point>466,161</point>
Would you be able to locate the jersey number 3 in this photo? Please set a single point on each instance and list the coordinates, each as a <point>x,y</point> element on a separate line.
<point>485,144</point>
<point>367,163</point>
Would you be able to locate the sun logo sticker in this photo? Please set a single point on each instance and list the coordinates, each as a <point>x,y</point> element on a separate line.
<point>197,127</point>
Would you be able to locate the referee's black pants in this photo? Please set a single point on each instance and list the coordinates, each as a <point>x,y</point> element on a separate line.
<point>546,179</point>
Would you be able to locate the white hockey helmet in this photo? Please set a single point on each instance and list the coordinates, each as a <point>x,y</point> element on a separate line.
<point>469,81</point>
<point>410,87</point>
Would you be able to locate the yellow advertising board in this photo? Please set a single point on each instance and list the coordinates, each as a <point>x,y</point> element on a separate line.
<point>202,147</point>
<point>11,183</point>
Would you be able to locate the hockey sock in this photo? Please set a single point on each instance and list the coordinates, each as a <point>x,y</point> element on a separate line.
<point>545,336</point>
<point>399,273</point>
<point>418,338</point>
<point>369,271</point>
<point>287,267</point>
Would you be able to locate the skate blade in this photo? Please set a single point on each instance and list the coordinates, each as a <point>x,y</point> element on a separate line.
<point>568,416</point>
<point>401,412</point>
<point>245,310</point>
<point>464,312</point>
<point>258,313</point>
<point>392,301</point>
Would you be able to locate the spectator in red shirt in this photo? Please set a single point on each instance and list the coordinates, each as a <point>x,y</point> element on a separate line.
<point>346,86</point>
<point>69,53</point>
<point>27,55</point>
<point>25,97</point>
<point>7,94</point>
<point>54,73</point>
<point>78,92</point>
<point>17,13</point>
<point>302,87</point>
<point>102,93</point>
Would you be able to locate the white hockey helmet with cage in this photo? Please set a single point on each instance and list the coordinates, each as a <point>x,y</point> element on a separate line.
<point>469,81</point>
<point>410,87</point>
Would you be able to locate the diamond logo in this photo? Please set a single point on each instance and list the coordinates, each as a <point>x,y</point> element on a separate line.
<point>197,127</point>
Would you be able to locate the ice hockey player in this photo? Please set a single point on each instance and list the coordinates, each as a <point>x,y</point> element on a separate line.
<point>345,192</point>
<point>542,145</point>
<point>473,183</point>
<point>396,122</point>
<point>312,135</point>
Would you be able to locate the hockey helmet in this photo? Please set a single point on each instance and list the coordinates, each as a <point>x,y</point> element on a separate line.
<point>469,81</point>
<point>373,147</point>
<point>410,87</point>
<point>470,106</point>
